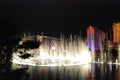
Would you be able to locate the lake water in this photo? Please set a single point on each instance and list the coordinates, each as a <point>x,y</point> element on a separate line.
<point>93,71</point>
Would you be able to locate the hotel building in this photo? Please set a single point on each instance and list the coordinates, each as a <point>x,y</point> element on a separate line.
<point>95,38</point>
<point>116,32</point>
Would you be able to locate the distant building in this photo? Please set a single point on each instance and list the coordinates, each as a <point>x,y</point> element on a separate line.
<point>39,38</point>
<point>51,41</point>
<point>116,32</point>
<point>95,38</point>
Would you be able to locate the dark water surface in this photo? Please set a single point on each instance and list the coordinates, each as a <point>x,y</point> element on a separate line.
<point>92,71</point>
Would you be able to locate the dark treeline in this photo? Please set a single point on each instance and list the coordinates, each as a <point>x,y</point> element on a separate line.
<point>7,40</point>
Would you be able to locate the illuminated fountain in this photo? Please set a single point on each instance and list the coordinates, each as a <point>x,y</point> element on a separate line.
<point>117,61</point>
<point>69,51</point>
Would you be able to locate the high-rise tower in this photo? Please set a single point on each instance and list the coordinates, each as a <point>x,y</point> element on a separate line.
<point>116,32</point>
<point>95,37</point>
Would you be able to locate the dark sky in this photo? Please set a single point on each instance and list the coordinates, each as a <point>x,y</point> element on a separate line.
<point>54,16</point>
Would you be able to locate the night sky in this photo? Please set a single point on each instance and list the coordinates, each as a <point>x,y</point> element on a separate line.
<point>53,17</point>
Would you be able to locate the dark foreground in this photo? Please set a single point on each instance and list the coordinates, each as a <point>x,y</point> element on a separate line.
<point>92,71</point>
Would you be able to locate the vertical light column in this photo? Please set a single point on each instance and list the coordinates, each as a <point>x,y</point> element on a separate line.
<point>118,53</point>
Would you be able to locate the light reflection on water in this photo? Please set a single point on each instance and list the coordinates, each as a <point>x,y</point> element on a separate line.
<point>92,71</point>
<point>60,73</point>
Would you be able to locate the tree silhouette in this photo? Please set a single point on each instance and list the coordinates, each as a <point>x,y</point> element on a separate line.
<point>7,41</point>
